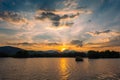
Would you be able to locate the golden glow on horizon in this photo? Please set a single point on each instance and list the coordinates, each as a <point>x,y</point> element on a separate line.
<point>63,49</point>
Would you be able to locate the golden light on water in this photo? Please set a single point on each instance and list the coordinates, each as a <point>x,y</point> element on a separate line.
<point>63,69</point>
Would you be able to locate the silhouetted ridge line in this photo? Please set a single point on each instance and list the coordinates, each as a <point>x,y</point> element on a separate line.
<point>9,51</point>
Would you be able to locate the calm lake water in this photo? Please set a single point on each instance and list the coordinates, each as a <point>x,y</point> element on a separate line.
<point>59,69</point>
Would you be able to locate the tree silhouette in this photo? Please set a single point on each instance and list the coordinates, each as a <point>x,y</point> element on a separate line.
<point>22,54</point>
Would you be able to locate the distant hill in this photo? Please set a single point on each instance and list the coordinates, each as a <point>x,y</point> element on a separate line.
<point>9,50</point>
<point>51,52</point>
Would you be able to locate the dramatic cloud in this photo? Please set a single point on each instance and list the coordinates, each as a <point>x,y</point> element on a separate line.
<point>12,17</point>
<point>18,19</point>
<point>77,43</point>
<point>51,16</point>
<point>34,24</point>
<point>60,17</point>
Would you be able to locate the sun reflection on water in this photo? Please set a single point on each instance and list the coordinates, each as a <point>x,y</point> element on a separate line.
<point>64,69</point>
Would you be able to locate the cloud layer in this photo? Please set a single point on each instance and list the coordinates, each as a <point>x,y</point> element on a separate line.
<point>76,24</point>
<point>61,17</point>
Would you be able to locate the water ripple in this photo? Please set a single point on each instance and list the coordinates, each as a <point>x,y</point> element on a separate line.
<point>59,69</point>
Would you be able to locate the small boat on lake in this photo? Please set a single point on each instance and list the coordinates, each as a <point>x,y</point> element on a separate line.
<point>78,58</point>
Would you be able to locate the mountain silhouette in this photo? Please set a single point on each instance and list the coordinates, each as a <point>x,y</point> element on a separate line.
<point>9,50</point>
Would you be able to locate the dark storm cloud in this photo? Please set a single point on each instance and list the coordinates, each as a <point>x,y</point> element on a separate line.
<point>77,43</point>
<point>12,17</point>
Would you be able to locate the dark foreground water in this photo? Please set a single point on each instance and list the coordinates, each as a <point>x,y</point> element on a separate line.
<point>59,69</point>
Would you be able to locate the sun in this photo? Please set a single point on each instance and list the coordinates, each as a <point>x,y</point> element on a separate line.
<point>63,49</point>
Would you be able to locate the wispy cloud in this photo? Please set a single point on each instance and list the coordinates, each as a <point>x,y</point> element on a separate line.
<point>106,38</point>
<point>99,33</point>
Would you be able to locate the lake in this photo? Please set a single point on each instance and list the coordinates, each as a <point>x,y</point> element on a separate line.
<point>59,69</point>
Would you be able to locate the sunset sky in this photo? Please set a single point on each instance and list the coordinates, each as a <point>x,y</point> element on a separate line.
<point>80,25</point>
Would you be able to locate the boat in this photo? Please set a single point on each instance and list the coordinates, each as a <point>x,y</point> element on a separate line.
<point>78,58</point>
